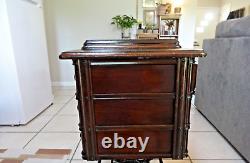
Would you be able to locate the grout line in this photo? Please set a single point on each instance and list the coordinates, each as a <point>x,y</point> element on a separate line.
<point>48,122</point>
<point>75,151</point>
<point>190,159</point>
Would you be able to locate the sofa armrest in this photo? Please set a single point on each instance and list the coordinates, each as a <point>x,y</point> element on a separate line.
<point>234,28</point>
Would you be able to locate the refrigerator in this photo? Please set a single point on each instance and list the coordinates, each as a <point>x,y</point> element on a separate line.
<point>25,84</point>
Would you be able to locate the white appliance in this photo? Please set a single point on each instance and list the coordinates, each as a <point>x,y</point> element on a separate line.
<point>25,85</point>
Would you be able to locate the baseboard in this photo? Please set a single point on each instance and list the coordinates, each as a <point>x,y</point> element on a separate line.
<point>63,84</point>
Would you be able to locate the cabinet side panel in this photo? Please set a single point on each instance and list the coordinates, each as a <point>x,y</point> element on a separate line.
<point>181,109</point>
<point>84,108</point>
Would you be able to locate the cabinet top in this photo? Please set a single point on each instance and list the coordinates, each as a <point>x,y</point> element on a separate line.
<point>112,49</point>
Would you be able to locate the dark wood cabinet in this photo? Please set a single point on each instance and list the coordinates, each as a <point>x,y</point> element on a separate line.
<point>129,91</point>
<point>127,77</point>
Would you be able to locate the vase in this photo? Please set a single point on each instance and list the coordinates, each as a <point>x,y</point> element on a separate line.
<point>149,31</point>
<point>171,31</point>
<point>126,34</point>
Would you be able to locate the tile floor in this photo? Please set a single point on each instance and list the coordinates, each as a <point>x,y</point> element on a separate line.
<point>57,127</point>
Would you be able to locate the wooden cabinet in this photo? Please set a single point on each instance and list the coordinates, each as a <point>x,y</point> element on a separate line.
<point>127,95</point>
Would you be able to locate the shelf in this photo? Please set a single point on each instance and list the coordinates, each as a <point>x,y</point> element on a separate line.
<point>168,35</point>
<point>170,16</point>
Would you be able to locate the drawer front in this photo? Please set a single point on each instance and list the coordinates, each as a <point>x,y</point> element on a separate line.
<point>134,142</point>
<point>134,112</point>
<point>133,79</point>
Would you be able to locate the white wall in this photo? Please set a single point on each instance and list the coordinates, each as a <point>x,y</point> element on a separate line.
<point>209,30</point>
<point>69,24</point>
<point>209,3</point>
<point>205,7</point>
<point>187,23</point>
<point>237,4</point>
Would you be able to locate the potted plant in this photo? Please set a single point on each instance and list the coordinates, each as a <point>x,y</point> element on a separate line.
<point>163,9</point>
<point>149,28</point>
<point>125,23</point>
<point>170,25</point>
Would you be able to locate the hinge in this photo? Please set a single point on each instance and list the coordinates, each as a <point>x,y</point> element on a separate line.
<point>189,96</point>
<point>181,97</point>
<point>180,128</point>
<point>184,59</point>
<point>191,61</point>
<point>187,126</point>
<point>185,154</point>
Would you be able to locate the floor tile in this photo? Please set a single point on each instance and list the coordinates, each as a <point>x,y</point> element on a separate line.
<point>55,88</point>
<point>199,123</point>
<point>193,110</point>
<point>171,161</point>
<point>34,126</point>
<point>34,160</point>
<point>78,155</point>
<point>63,124</point>
<point>84,161</point>
<point>210,145</point>
<point>61,99</point>
<point>53,109</point>
<point>15,140</point>
<point>55,141</point>
<point>70,108</point>
<point>64,92</point>
<point>218,161</point>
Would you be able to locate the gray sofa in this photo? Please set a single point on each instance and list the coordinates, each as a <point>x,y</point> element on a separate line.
<point>223,84</point>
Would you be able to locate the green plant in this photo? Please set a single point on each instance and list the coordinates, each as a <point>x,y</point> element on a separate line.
<point>124,21</point>
<point>170,23</point>
<point>160,2</point>
<point>151,26</point>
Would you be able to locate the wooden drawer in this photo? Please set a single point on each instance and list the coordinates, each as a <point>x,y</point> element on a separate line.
<point>159,142</point>
<point>133,78</point>
<point>134,112</point>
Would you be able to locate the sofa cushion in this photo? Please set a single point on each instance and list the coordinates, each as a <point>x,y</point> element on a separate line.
<point>234,28</point>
